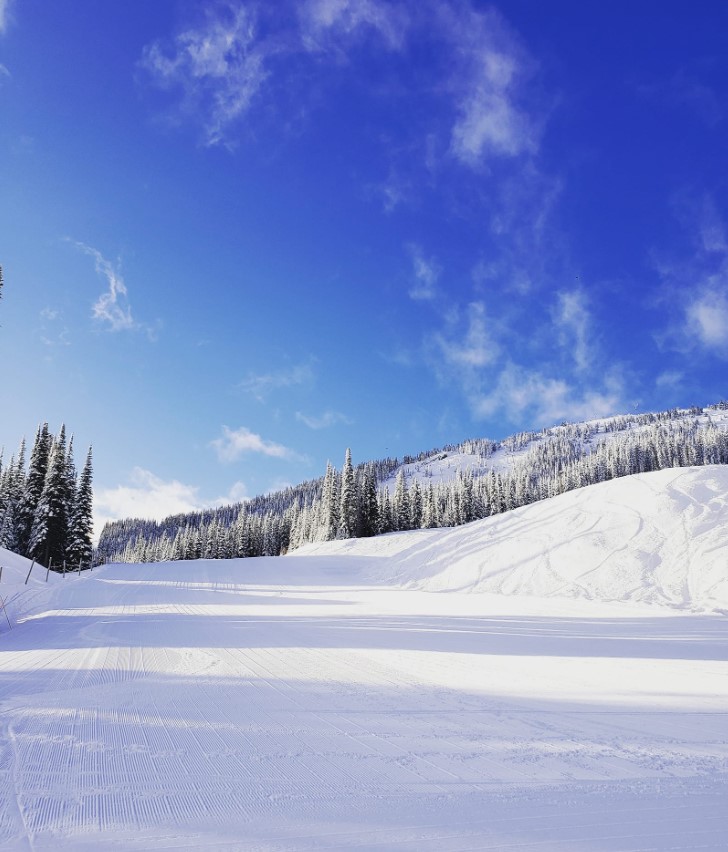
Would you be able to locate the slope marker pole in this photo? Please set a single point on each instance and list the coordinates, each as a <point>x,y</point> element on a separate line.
<point>5,610</point>
<point>28,577</point>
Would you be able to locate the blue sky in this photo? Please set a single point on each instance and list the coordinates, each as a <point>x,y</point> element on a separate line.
<point>239,237</point>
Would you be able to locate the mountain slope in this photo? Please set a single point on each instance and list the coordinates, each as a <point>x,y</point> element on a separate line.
<point>658,538</point>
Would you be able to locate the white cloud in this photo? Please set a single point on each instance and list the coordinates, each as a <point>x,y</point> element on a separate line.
<point>426,273</point>
<point>707,319</point>
<point>669,379</point>
<point>220,67</point>
<point>4,8</point>
<point>237,493</point>
<point>519,391</point>
<point>476,348</point>
<point>695,287</point>
<point>573,323</point>
<point>147,496</point>
<point>261,384</point>
<point>235,443</point>
<point>112,307</point>
<point>326,420</point>
<point>488,83</point>
<point>321,19</point>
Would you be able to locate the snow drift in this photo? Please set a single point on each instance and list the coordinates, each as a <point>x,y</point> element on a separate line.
<point>658,538</point>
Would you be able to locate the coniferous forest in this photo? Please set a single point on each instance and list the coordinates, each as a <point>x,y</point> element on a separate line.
<point>391,495</point>
<point>46,508</point>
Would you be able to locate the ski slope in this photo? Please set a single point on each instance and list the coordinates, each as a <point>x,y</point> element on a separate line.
<point>397,693</point>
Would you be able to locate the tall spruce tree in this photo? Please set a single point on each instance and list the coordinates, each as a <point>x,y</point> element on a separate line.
<point>348,506</point>
<point>80,524</point>
<point>34,482</point>
<point>401,503</point>
<point>49,533</point>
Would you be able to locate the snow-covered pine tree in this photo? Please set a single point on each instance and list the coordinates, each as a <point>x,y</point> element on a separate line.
<point>330,504</point>
<point>34,482</point>
<point>49,532</point>
<point>369,507</point>
<point>80,525</point>
<point>401,503</point>
<point>348,504</point>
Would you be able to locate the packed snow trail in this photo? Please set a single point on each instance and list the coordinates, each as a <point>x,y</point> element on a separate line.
<point>296,704</point>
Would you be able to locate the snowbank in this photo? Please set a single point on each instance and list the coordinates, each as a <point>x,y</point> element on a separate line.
<point>18,597</point>
<point>657,538</point>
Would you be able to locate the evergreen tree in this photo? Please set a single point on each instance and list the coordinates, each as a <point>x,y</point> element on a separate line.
<point>330,504</point>
<point>81,519</point>
<point>49,532</point>
<point>348,506</point>
<point>401,503</point>
<point>33,490</point>
<point>369,515</point>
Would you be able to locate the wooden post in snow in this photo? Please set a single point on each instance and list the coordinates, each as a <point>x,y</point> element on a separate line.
<point>28,577</point>
<point>6,613</point>
<point>48,569</point>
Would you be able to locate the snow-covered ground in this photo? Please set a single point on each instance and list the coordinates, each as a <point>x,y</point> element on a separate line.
<point>333,699</point>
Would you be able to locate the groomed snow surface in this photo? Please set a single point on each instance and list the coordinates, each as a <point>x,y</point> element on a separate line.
<point>554,679</point>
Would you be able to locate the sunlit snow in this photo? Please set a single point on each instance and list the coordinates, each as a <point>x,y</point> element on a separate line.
<point>552,678</point>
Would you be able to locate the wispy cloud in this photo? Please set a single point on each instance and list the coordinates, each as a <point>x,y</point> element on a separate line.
<point>426,272</point>
<point>4,17</point>
<point>235,443</point>
<point>707,317</point>
<point>476,348</point>
<point>219,67</point>
<point>112,307</point>
<point>261,384</point>
<point>53,331</point>
<point>573,322</point>
<point>669,379</point>
<point>324,421</point>
<point>695,287</point>
<point>520,391</point>
<point>491,68</point>
<point>505,365</point>
<point>325,22</point>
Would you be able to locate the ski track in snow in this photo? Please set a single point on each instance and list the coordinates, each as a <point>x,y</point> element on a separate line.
<point>320,702</point>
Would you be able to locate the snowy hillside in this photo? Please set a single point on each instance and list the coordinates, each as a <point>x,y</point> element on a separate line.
<point>659,538</point>
<point>480,457</point>
<point>377,694</point>
<point>448,487</point>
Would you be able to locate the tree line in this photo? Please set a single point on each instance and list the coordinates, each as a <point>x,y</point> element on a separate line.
<point>362,500</point>
<point>46,510</point>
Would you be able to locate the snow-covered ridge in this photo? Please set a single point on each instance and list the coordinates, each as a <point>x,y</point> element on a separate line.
<point>439,489</point>
<point>657,538</point>
<point>479,457</point>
